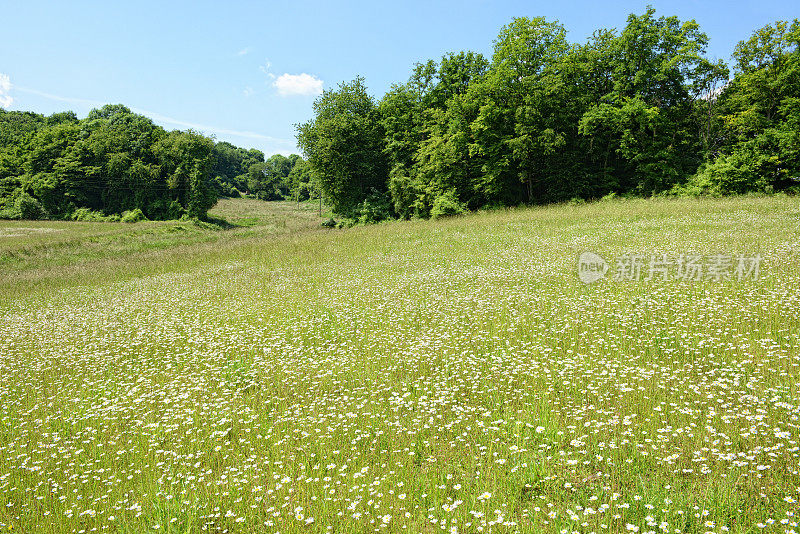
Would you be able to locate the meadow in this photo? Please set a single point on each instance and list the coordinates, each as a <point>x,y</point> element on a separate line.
<point>425,376</point>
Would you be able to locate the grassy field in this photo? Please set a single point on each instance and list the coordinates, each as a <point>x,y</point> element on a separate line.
<point>451,376</point>
<point>45,252</point>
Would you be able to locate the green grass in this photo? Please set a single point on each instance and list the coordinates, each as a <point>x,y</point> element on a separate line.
<point>405,377</point>
<point>41,253</point>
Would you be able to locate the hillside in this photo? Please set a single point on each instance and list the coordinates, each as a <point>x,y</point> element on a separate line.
<point>45,252</point>
<point>408,377</point>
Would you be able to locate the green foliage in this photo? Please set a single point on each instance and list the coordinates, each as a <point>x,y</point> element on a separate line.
<point>344,145</point>
<point>759,148</point>
<point>769,162</point>
<point>230,169</point>
<point>408,193</point>
<point>301,181</point>
<point>87,215</point>
<point>374,208</point>
<point>639,111</point>
<point>447,204</point>
<point>116,161</point>
<point>269,180</point>
<point>427,132</point>
<point>133,216</point>
<point>28,207</point>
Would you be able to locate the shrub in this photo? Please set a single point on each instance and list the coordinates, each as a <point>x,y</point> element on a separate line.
<point>85,214</point>
<point>408,195</point>
<point>29,208</point>
<point>9,213</point>
<point>446,205</point>
<point>8,210</point>
<point>133,216</point>
<point>375,208</point>
<point>165,210</point>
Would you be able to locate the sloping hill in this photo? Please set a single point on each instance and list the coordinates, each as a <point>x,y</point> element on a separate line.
<point>414,377</point>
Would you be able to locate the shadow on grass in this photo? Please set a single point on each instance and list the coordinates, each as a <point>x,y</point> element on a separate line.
<point>215,223</point>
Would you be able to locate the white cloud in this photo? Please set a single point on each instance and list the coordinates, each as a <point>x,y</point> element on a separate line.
<point>243,51</point>
<point>265,69</point>
<point>5,88</point>
<point>298,84</point>
<point>248,91</point>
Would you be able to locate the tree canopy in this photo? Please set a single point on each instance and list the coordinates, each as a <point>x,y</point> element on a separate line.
<point>639,111</point>
<point>115,162</point>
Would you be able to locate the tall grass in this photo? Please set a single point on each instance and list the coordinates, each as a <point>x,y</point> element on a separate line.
<point>410,377</point>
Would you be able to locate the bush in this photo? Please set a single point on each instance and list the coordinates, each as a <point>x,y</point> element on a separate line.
<point>408,195</point>
<point>133,216</point>
<point>165,210</point>
<point>375,208</point>
<point>8,210</point>
<point>761,165</point>
<point>446,205</point>
<point>9,213</point>
<point>29,208</point>
<point>85,214</point>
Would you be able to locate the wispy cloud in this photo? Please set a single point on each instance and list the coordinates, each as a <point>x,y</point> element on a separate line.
<point>158,117</point>
<point>5,89</point>
<point>248,91</point>
<point>265,68</point>
<point>71,100</point>
<point>277,145</point>
<point>244,51</point>
<point>268,144</point>
<point>298,84</point>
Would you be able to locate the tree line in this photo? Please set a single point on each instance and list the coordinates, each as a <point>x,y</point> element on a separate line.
<point>116,164</point>
<point>641,111</point>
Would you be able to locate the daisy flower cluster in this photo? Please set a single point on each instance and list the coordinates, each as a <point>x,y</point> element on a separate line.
<point>416,377</point>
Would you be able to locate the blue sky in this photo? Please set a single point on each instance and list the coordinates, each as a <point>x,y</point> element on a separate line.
<point>246,72</point>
